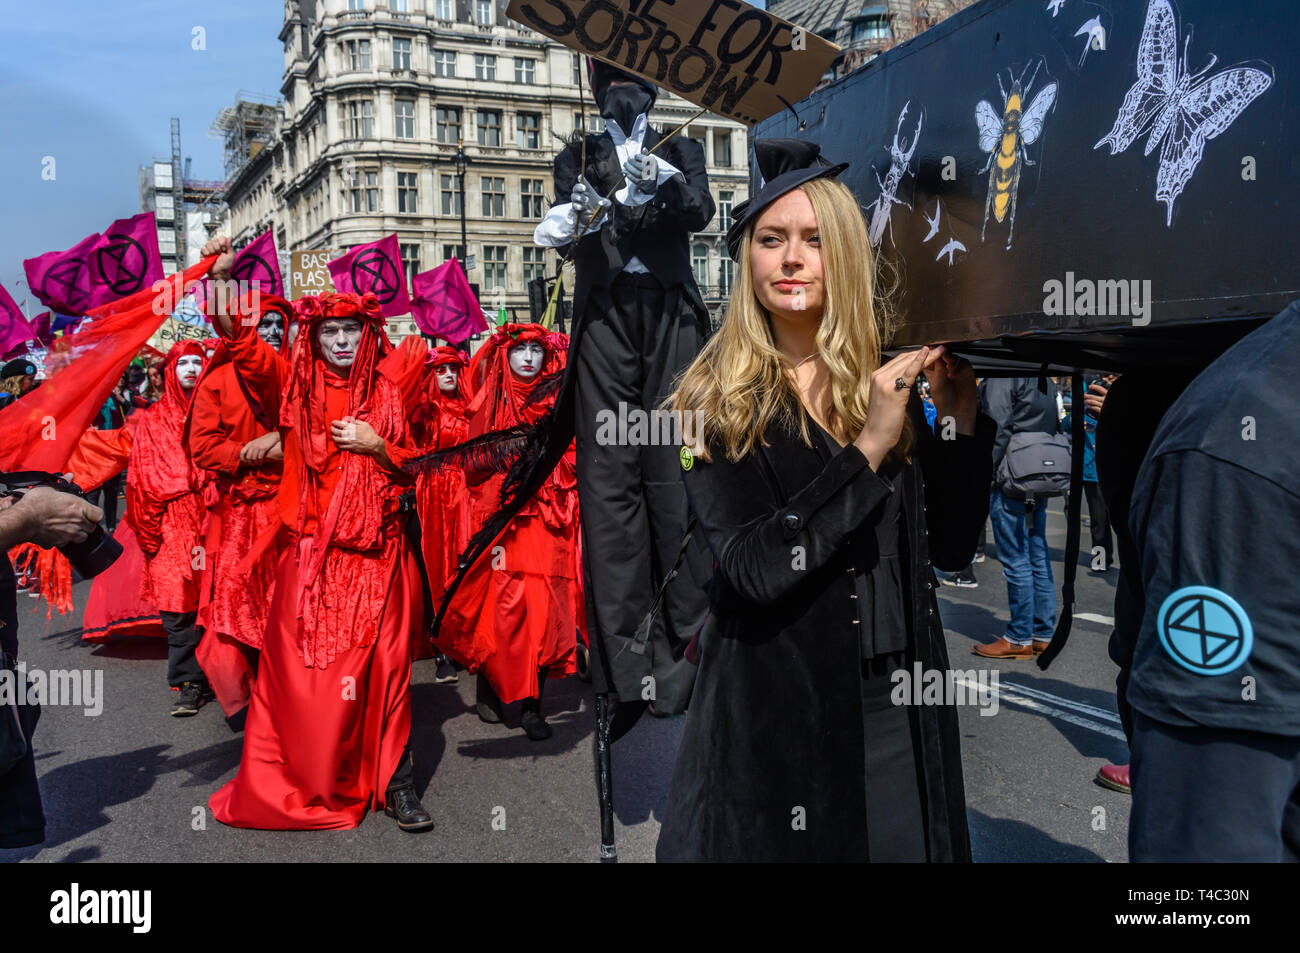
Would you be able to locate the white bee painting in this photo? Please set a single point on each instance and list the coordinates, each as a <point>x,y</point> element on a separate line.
<point>1179,111</point>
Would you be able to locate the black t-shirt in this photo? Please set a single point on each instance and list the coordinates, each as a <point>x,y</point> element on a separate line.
<point>1216,520</point>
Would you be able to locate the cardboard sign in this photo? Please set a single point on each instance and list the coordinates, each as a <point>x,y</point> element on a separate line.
<point>173,331</point>
<point>1003,168</point>
<point>724,55</point>
<point>309,272</point>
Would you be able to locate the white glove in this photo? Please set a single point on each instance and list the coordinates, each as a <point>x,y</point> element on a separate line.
<point>643,172</point>
<point>588,203</point>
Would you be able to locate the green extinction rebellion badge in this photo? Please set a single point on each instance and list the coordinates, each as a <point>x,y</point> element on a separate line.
<point>688,460</point>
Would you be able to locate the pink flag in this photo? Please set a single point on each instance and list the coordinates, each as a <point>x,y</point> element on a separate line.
<point>14,329</point>
<point>375,267</point>
<point>259,264</point>
<point>99,268</point>
<point>444,305</point>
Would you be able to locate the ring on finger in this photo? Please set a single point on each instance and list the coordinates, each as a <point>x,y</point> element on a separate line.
<point>901,384</point>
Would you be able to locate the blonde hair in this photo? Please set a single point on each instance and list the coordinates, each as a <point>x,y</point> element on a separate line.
<point>736,387</point>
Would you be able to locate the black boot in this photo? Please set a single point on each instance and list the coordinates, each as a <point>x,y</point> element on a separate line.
<point>532,722</point>
<point>486,701</point>
<point>404,804</point>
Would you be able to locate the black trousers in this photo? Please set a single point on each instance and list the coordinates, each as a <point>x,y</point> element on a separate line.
<point>22,822</point>
<point>1209,794</point>
<point>1098,521</point>
<point>182,640</point>
<point>639,337</point>
<point>106,499</point>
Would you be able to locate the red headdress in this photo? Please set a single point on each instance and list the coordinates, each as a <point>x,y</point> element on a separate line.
<point>303,406</point>
<point>500,396</point>
<point>441,357</point>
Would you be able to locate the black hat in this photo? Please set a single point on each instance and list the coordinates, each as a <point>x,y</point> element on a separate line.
<point>18,367</point>
<point>785,164</point>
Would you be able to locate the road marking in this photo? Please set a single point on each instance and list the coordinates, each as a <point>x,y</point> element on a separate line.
<point>1093,617</point>
<point>1035,700</point>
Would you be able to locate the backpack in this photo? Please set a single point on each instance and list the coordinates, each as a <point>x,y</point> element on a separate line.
<point>1035,466</point>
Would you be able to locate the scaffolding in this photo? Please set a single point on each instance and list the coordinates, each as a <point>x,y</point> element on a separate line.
<point>247,127</point>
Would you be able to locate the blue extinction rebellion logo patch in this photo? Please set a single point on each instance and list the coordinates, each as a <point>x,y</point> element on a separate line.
<point>1205,630</point>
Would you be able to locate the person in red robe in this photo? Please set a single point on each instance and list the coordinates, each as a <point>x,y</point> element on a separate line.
<point>326,738</point>
<point>441,496</point>
<point>517,614</point>
<point>164,505</point>
<point>233,433</point>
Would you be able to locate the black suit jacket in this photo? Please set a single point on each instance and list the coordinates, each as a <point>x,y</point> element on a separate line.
<point>658,232</point>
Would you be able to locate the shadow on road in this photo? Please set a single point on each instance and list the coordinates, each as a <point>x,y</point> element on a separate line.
<point>991,836</point>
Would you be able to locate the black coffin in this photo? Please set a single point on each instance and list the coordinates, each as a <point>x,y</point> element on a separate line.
<point>1090,235</point>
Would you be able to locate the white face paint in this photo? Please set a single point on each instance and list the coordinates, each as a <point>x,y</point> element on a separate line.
<point>446,375</point>
<point>526,359</point>
<point>188,369</point>
<point>270,329</point>
<point>338,339</point>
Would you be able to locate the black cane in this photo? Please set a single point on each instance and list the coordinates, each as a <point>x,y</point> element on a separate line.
<point>605,781</point>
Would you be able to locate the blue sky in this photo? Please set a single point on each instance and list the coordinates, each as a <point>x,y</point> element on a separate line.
<point>95,84</point>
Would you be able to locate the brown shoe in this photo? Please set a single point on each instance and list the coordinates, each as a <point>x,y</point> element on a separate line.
<point>1040,646</point>
<point>1003,648</point>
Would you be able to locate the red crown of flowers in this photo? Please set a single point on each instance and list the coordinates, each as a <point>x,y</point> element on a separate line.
<point>312,309</point>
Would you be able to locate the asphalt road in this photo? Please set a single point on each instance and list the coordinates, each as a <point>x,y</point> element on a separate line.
<point>131,783</point>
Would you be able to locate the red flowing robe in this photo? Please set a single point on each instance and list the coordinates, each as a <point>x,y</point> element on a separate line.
<point>164,491</point>
<point>520,608</point>
<point>330,713</point>
<point>441,496</point>
<point>235,598</point>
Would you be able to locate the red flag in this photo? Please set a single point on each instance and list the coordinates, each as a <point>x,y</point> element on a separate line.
<point>444,304</point>
<point>43,428</point>
<point>376,267</point>
<point>14,328</point>
<point>122,261</point>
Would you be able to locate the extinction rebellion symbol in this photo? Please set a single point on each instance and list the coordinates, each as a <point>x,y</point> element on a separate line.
<point>254,268</point>
<point>122,264</point>
<point>67,276</point>
<point>374,271</point>
<point>1205,630</point>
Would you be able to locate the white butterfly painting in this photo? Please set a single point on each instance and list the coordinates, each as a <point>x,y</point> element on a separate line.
<point>1178,110</point>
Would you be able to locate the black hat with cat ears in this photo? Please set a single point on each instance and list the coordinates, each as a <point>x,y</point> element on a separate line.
<point>784,165</point>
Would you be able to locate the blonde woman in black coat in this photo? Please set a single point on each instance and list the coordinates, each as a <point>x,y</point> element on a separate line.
<point>810,477</point>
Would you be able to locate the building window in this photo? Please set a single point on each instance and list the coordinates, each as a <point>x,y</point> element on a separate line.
<point>534,264</point>
<point>597,122</point>
<point>445,9</point>
<point>410,260</point>
<point>725,201</point>
<point>363,192</point>
<point>485,66</point>
<point>450,195</point>
<point>355,5</point>
<point>530,198</point>
<point>525,70</point>
<point>489,127</point>
<point>454,251</point>
<point>727,275</point>
<point>444,63</point>
<point>871,28</point>
<point>358,52</point>
<point>577,69</point>
<point>494,267</point>
<point>528,130</point>
<point>494,196</point>
<point>700,264</point>
<point>447,122</point>
<point>404,118</point>
<point>408,195</point>
<point>400,6</point>
<point>483,13</point>
<point>722,147</point>
<point>362,119</point>
<point>401,53</point>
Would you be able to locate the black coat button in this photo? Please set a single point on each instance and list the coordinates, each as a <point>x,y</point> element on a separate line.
<point>791,523</point>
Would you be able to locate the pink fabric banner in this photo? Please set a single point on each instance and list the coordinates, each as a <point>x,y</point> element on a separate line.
<point>124,260</point>
<point>14,328</point>
<point>444,304</point>
<point>376,267</point>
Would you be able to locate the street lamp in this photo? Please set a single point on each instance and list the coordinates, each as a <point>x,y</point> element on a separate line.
<point>462,161</point>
